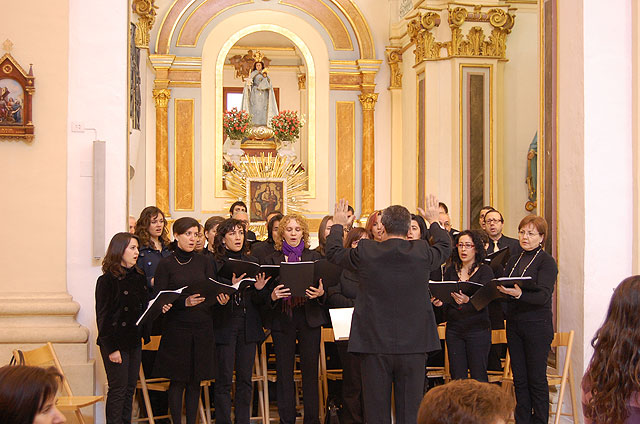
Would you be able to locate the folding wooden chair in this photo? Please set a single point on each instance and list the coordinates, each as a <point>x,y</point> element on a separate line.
<point>260,376</point>
<point>566,377</point>
<point>324,373</point>
<point>500,337</point>
<point>46,356</point>
<point>441,372</point>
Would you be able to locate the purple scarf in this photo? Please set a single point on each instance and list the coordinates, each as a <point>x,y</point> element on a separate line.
<point>293,254</point>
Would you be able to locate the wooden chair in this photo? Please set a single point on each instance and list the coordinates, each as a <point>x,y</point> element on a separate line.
<point>566,377</point>
<point>46,356</point>
<point>162,384</point>
<point>326,374</point>
<point>260,376</point>
<point>500,337</point>
<point>441,372</point>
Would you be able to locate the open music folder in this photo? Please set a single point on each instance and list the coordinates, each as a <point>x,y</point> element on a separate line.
<point>154,308</point>
<point>341,321</point>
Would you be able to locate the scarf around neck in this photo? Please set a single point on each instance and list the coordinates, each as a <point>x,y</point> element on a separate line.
<point>293,254</point>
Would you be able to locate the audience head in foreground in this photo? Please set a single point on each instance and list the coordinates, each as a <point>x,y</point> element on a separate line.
<point>611,385</point>
<point>465,402</point>
<point>28,395</point>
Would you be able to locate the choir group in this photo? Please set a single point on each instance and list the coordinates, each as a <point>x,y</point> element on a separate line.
<point>384,270</point>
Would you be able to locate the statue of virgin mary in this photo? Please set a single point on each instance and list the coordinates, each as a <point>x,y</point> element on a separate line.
<point>258,97</point>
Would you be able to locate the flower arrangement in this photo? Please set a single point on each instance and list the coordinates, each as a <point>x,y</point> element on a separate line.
<point>286,125</point>
<point>235,123</point>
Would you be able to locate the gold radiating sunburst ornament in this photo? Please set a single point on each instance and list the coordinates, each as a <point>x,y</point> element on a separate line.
<point>265,184</point>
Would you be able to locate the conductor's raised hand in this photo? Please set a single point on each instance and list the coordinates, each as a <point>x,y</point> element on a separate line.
<point>432,211</point>
<point>261,281</point>
<point>222,298</point>
<point>280,292</point>
<point>340,214</point>
<point>314,292</point>
<point>193,300</point>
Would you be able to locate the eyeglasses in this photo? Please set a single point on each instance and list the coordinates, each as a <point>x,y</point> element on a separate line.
<point>466,245</point>
<point>528,233</point>
<point>492,221</point>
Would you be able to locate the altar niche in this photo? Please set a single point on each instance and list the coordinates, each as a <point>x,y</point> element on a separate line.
<point>264,74</point>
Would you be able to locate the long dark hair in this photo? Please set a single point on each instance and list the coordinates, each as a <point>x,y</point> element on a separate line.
<point>322,240</point>
<point>613,375</point>
<point>181,226</point>
<point>481,252</point>
<point>112,262</point>
<point>225,227</point>
<point>142,227</point>
<point>354,234</point>
<point>24,391</point>
<point>272,222</point>
<point>424,231</point>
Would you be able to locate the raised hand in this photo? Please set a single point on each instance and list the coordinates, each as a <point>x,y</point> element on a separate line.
<point>340,213</point>
<point>432,212</point>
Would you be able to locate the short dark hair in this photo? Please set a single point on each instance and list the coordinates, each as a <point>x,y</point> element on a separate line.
<point>350,208</point>
<point>225,227</point>
<point>237,203</point>
<point>396,220</point>
<point>354,234</point>
<point>493,210</point>
<point>212,222</point>
<point>24,390</point>
<point>538,222</point>
<point>180,226</point>
<point>465,401</point>
<point>112,262</point>
<point>443,206</point>
<point>486,207</point>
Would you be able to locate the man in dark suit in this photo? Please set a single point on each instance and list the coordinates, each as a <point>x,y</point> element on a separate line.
<point>393,325</point>
<point>494,222</point>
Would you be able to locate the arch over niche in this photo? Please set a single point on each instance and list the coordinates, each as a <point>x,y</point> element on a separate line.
<point>197,21</point>
<point>219,41</point>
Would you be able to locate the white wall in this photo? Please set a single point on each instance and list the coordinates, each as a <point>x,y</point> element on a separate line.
<point>97,99</point>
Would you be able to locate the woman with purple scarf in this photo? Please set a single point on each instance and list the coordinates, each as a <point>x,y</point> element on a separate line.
<point>294,318</point>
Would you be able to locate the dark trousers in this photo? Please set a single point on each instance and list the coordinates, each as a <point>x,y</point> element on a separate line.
<point>240,355</point>
<point>406,373</point>
<point>352,402</point>
<point>468,350</point>
<point>284,344</point>
<point>529,343</point>
<point>122,380</point>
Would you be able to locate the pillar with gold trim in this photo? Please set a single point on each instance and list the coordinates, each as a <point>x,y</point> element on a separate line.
<point>368,102</point>
<point>161,97</point>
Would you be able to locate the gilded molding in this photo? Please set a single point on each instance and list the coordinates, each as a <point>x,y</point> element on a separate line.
<point>394,58</point>
<point>302,81</point>
<point>161,97</point>
<point>419,31</point>
<point>476,43</point>
<point>368,100</point>
<point>146,10</point>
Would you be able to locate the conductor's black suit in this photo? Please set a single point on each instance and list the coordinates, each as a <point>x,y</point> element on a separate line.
<point>393,325</point>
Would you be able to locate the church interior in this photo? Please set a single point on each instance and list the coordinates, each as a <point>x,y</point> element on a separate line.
<point>529,106</point>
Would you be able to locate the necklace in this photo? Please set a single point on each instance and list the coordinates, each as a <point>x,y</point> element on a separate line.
<point>526,267</point>
<point>182,263</point>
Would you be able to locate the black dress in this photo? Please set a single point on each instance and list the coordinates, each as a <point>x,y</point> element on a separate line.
<point>186,351</point>
<point>238,330</point>
<point>530,332</point>
<point>468,333</point>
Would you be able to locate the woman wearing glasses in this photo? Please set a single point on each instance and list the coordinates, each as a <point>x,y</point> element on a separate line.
<point>529,321</point>
<point>468,333</point>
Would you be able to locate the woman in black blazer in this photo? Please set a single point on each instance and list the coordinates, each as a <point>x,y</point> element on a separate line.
<point>468,334</point>
<point>186,352</point>
<point>343,295</point>
<point>121,297</point>
<point>237,326</point>
<point>294,318</point>
<point>530,321</point>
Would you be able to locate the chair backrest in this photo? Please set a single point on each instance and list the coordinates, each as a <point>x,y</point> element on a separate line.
<point>442,330</point>
<point>44,356</point>
<point>566,340</point>
<point>153,344</point>
<point>327,335</point>
<point>499,336</point>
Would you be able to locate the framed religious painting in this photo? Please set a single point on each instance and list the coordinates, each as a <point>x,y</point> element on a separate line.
<point>264,196</point>
<point>16,91</point>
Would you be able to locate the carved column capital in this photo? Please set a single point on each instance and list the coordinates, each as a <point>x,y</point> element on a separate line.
<point>419,30</point>
<point>161,97</point>
<point>302,81</point>
<point>146,10</point>
<point>394,58</point>
<point>368,100</point>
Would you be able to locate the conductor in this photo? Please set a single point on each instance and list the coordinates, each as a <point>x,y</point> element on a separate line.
<point>393,325</point>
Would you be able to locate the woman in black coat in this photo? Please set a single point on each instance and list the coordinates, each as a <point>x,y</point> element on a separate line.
<point>343,295</point>
<point>186,352</point>
<point>121,297</point>
<point>237,326</point>
<point>530,321</point>
<point>468,333</point>
<point>294,318</point>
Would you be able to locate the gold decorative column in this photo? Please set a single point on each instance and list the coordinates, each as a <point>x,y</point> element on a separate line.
<point>161,97</point>
<point>394,59</point>
<point>368,102</point>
